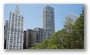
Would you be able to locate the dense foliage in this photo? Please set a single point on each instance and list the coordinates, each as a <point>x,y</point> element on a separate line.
<point>70,37</point>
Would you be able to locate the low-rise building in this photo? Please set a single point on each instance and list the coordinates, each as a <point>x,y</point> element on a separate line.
<point>30,38</point>
<point>42,34</point>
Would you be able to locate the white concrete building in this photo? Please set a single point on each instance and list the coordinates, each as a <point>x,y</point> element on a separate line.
<point>15,30</point>
<point>48,20</point>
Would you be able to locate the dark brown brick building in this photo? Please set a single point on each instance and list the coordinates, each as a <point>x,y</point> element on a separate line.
<point>31,36</point>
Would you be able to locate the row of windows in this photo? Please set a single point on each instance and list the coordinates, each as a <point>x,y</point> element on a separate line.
<point>15,18</point>
<point>15,47</point>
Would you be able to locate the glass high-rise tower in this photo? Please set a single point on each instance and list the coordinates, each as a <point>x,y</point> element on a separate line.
<point>15,30</point>
<point>48,20</point>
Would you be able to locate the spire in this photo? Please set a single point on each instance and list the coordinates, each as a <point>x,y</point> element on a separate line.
<point>17,11</point>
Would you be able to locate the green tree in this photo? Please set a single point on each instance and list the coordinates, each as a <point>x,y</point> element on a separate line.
<point>79,30</point>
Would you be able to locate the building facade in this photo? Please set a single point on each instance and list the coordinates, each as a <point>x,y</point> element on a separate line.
<point>39,35</point>
<point>5,33</point>
<point>42,34</point>
<point>48,20</point>
<point>69,21</point>
<point>31,36</point>
<point>73,17</point>
<point>5,29</point>
<point>15,30</point>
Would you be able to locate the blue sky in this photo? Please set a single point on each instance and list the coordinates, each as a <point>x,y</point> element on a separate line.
<point>33,13</point>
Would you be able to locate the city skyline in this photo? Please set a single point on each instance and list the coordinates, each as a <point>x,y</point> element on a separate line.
<point>33,17</point>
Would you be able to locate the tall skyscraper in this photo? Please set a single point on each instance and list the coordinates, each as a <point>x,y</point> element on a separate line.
<point>15,30</point>
<point>48,20</point>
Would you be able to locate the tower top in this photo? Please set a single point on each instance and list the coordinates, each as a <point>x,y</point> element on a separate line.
<point>49,7</point>
<point>17,11</point>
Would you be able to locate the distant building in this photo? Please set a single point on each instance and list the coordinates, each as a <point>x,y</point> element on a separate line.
<point>48,20</point>
<point>5,29</point>
<point>69,21</point>
<point>5,33</point>
<point>73,17</point>
<point>42,34</point>
<point>39,35</point>
<point>31,36</point>
<point>15,30</point>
